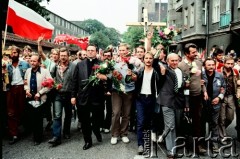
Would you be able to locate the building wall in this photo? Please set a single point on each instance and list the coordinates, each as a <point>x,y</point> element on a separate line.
<point>154,10</point>
<point>63,26</point>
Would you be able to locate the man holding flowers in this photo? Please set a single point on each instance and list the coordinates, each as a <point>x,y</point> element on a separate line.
<point>63,75</point>
<point>88,93</point>
<point>36,95</point>
<point>122,95</point>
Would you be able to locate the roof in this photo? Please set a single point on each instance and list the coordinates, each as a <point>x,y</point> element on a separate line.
<point>15,38</point>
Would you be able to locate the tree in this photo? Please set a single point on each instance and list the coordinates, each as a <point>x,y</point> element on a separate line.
<point>113,35</point>
<point>92,25</point>
<point>100,39</point>
<point>35,5</point>
<point>133,36</point>
<point>100,35</point>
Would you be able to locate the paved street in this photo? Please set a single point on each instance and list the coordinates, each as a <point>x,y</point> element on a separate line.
<point>72,148</point>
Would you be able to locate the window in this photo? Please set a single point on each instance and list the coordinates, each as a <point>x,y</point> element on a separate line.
<point>192,15</point>
<point>216,11</point>
<point>186,17</point>
<point>204,13</point>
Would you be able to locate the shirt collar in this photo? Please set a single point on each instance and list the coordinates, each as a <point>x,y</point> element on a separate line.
<point>38,70</point>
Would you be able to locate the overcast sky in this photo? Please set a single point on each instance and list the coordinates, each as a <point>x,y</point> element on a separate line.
<point>112,13</point>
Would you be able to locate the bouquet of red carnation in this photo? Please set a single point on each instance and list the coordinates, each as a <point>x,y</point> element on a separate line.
<point>50,83</point>
<point>103,68</point>
<point>117,81</point>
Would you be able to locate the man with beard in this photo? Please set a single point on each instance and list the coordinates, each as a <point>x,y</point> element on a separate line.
<point>89,98</point>
<point>63,75</point>
<point>15,93</point>
<point>231,77</point>
<point>215,85</point>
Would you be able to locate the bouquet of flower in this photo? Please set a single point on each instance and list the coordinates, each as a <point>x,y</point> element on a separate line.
<point>117,81</point>
<point>104,68</point>
<point>194,70</point>
<point>134,64</point>
<point>50,83</point>
<point>163,36</point>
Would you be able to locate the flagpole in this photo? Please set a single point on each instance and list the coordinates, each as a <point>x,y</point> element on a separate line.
<point>5,32</point>
<point>4,38</point>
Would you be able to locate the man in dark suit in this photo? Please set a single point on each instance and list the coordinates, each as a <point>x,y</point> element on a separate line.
<point>89,97</point>
<point>170,99</point>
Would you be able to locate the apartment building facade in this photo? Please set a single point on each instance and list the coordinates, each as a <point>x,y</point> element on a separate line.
<point>157,11</point>
<point>206,23</point>
<point>63,26</point>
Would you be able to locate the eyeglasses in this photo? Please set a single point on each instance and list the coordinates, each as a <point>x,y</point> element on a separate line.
<point>90,50</point>
<point>107,55</point>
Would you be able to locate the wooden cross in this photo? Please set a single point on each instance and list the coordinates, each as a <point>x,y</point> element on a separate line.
<point>146,24</point>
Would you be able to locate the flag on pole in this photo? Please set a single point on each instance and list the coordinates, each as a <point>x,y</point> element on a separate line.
<point>27,23</point>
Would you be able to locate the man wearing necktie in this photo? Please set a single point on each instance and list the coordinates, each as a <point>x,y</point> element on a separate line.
<point>170,99</point>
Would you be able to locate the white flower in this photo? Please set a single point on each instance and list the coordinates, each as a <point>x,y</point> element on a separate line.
<point>122,87</point>
<point>175,33</point>
<point>194,64</point>
<point>166,31</point>
<point>104,65</point>
<point>194,70</point>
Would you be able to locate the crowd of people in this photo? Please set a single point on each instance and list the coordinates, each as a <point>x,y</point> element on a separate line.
<point>146,90</point>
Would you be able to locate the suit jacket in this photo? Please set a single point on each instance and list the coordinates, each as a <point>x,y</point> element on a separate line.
<point>167,96</point>
<point>41,76</point>
<point>93,95</point>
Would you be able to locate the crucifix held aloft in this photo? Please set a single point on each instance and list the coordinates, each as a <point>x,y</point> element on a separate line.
<point>146,25</point>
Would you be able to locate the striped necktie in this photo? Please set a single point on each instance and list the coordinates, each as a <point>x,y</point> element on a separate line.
<point>175,82</point>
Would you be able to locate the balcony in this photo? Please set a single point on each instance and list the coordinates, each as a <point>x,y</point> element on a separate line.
<point>225,19</point>
<point>178,5</point>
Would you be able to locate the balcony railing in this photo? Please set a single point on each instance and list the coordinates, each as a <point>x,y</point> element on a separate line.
<point>225,19</point>
<point>178,5</point>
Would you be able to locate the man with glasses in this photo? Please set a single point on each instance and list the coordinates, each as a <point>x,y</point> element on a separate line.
<point>62,74</point>
<point>88,98</point>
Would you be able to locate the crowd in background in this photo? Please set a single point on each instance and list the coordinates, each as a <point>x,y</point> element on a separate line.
<point>147,90</point>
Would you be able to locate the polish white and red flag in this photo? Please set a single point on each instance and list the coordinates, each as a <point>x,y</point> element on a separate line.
<point>27,23</point>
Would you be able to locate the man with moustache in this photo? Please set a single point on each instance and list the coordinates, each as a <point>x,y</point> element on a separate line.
<point>107,56</point>
<point>36,92</point>
<point>171,99</point>
<point>192,69</point>
<point>88,98</point>
<point>15,93</point>
<point>216,86</point>
<point>49,64</point>
<point>232,79</point>
<point>147,88</point>
<point>62,74</point>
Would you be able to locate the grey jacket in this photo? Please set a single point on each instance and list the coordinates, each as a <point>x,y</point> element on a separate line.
<point>67,77</point>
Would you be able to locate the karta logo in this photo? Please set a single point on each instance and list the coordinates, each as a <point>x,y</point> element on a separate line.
<point>225,150</point>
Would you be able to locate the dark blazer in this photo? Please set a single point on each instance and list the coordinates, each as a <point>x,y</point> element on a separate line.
<point>155,83</point>
<point>90,95</point>
<point>167,96</point>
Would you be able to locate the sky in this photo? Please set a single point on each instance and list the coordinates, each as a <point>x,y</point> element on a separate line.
<point>112,13</point>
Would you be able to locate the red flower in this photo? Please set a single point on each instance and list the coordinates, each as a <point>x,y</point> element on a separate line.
<point>126,59</point>
<point>95,67</point>
<point>49,82</point>
<point>59,86</point>
<point>119,77</point>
